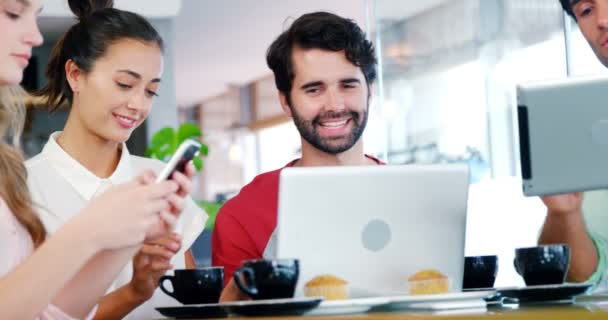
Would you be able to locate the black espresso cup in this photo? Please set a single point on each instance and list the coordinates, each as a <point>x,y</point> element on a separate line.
<point>268,279</point>
<point>195,286</point>
<point>479,272</point>
<point>543,264</point>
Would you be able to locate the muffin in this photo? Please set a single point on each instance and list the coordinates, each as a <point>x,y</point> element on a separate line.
<point>428,281</point>
<point>327,286</point>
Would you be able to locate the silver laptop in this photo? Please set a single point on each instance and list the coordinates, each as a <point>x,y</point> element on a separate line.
<point>374,226</point>
<point>563,134</point>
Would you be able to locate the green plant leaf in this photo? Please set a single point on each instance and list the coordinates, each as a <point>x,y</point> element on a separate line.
<point>204,151</point>
<point>161,144</point>
<point>162,137</point>
<point>198,163</point>
<point>188,130</point>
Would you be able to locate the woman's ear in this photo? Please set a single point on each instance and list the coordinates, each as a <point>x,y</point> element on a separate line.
<point>73,75</point>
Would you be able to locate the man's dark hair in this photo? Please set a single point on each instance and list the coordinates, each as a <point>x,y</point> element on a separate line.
<point>320,30</point>
<point>567,7</point>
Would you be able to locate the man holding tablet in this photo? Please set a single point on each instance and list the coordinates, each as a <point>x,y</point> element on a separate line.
<point>565,222</point>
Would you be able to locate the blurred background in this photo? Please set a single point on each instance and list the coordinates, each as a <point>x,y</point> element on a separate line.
<point>446,93</point>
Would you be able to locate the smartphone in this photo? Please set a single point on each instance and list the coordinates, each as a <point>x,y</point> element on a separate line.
<point>186,152</point>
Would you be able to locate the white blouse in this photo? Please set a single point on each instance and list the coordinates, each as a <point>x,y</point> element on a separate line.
<point>61,187</point>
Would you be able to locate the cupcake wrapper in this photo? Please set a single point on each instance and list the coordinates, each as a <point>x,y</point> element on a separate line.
<point>330,292</point>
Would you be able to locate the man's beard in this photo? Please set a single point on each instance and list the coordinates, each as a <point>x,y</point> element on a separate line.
<point>308,130</point>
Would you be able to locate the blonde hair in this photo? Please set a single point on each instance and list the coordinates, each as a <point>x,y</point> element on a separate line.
<point>12,112</point>
<point>13,185</point>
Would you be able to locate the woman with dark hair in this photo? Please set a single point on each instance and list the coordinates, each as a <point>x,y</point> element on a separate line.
<point>107,69</point>
<point>63,277</point>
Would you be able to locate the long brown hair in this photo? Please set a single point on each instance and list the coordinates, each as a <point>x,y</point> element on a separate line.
<point>13,184</point>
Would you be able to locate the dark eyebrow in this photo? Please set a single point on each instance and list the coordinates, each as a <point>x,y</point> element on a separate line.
<point>573,3</point>
<point>137,75</point>
<point>311,85</point>
<point>318,83</point>
<point>350,80</point>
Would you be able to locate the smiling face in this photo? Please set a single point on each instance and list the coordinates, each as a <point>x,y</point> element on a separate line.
<point>329,99</point>
<point>592,18</point>
<point>18,36</point>
<point>116,96</point>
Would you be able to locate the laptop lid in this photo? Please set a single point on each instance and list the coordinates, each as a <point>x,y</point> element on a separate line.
<point>563,135</point>
<point>374,226</point>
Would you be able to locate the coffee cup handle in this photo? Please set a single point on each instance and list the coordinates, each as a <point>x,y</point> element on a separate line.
<point>249,278</point>
<point>515,266</point>
<point>162,280</point>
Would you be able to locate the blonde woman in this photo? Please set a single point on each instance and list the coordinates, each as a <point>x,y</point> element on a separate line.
<point>63,277</point>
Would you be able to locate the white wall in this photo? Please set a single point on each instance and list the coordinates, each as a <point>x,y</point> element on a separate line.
<point>223,43</point>
<point>147,8</point>
<point>164,112</point>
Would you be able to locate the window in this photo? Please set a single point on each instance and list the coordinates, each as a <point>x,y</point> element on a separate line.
<point>449,72</point>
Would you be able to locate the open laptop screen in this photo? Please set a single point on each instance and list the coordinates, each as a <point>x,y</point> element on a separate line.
<point>374,226</point>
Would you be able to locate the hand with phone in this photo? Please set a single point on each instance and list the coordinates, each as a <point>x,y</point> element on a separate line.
<point>181,170</point>
<point>176,200</point>
<point>186,151</point>
<point>154,258</point>
<point>129,213</point>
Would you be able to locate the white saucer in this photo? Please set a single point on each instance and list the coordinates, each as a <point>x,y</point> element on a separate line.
<point>457,300</point>
<point>349,306</point>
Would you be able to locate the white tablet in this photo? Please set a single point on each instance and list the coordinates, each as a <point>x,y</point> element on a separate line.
<point>563,135</point>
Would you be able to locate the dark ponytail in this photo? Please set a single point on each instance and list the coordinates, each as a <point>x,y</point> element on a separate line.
<point>84,8</point>
<point>99,25</point>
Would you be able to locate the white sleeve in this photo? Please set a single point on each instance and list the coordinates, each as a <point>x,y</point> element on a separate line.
<point>191,223</point>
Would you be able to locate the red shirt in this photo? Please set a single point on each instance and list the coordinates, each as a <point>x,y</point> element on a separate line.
<point>245,223</point>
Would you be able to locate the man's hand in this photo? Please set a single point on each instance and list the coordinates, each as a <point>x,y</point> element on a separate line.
<point>565,224</point>
<point>564,204</point>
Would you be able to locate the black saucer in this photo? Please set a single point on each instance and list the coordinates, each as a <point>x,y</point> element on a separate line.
<point>194,311</point>
<point>273,307</point>
<point>545,293</point>
<point>496,299</point>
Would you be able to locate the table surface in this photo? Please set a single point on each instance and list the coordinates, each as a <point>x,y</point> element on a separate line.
<point>587,308</point>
